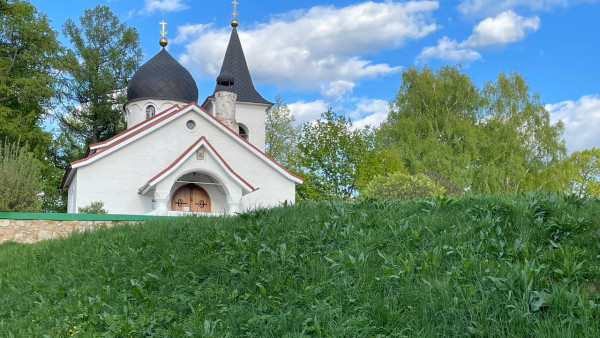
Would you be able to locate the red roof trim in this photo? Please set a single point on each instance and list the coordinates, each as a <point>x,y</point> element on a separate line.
<point>166,116</point>
<point>247,142</point>
<point>186,154</point>
<point>178,107</point>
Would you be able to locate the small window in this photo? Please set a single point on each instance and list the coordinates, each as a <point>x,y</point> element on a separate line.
<point>243,132</point>
<point>150,111</point>
<point>191,125</point>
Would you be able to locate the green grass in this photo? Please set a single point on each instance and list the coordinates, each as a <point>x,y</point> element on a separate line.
<point>518,266</point>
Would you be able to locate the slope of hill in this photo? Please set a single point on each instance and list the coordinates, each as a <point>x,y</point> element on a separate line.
<point>483,266</point>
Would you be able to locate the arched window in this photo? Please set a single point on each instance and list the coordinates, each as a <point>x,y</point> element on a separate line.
<point>243,131</point>
<point>150,111</point>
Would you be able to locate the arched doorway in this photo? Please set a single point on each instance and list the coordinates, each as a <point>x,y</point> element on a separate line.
<point>191,198</point>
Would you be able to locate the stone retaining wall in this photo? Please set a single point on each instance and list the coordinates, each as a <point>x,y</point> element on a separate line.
<point>33,231</point>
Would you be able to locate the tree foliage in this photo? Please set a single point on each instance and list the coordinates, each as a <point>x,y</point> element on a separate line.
<point>329,158</point>
<point>432,123</point>
<point>519,143</point>
<point>20,183</point>
<point>105,55</point>
<point>491,140</point>
<point>28,54</point>
<point>584,167</point>
<point>402,186</point>
<point>281,135</point>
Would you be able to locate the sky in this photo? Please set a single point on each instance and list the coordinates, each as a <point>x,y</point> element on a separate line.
<point>349,55</point>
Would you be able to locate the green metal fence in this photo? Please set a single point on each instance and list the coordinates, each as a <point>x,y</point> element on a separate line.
<point>76,217</point>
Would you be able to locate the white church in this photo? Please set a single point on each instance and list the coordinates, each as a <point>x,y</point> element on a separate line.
<point>178,157</point>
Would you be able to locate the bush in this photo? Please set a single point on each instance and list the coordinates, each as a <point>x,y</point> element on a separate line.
<point>20,179</point>
<point>93,208</point>
<point>444,182</point>
<point>402,186</point>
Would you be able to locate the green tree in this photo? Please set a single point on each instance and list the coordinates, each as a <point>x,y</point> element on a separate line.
<point>29,54</point>
<point>28,50</point>
<point>281,134</point>
<point>20,184</point>
<point>494,140</point>
<point>105,55</point>
<point>329,157</point>
<point>432,123</point>
<point>585,172</point>
<point>520,145</point>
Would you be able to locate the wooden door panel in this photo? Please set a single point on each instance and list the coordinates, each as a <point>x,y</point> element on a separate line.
<point>200,201</point>
<point>181,199</point>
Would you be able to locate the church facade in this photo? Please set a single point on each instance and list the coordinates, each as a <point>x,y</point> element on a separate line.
<point>178,157</point>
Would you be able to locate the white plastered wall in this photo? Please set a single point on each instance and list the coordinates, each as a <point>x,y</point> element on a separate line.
<point>116,178</point>
<point>252,116</point>
<point>136,110</point>
<point>72,196</point>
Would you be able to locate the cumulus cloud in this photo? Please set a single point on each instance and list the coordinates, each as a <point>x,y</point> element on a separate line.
<point>449,50</point>
<point>581,119</point>
<point>507,27</point>
<point>316,48</point>
<point>370,112</point>
<point>151,6</point>
<point>482,8</point>
<point>187,32</point>
<point>498,31</point>
<point>337,89</point>
<point>307,111</point>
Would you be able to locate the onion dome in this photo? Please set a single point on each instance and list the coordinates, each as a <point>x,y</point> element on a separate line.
<point>163,78</point>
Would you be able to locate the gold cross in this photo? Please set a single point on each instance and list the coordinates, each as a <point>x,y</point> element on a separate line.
<point>163,28</point>
<point>235,12</point>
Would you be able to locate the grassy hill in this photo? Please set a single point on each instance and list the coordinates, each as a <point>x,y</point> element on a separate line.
<point>483,266</point>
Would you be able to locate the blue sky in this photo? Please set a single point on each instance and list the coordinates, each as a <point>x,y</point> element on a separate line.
<point>349,55</point>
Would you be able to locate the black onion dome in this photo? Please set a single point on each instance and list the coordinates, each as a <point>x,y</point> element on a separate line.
<point>163,78</point>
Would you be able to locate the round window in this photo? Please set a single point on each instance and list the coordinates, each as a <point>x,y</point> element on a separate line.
<point>191,125</point>
<point>150,111</point>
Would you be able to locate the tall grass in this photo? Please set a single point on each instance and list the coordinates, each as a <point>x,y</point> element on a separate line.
<point>518,266</point>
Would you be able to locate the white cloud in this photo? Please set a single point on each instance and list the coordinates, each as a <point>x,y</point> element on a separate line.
<point>581,119</point>
<point>151,6</point>
<point>507,27</point>
<point>323,45</point>
<point>449,50</point>
<point>307,111</point>
<point>482,8</point>
<point>498,31</point>
<point>337,89</point>
<point>370,112</point>
<point>187,32</point>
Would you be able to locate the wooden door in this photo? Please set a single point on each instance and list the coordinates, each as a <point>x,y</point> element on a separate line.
<point>191,198</point>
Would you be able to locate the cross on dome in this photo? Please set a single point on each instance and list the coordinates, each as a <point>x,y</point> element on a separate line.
<point>163,41</point>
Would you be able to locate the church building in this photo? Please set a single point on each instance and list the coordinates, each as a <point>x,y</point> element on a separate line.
<point>178,157</point>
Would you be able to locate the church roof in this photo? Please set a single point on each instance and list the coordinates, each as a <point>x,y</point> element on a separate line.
<point>163,78</point>
<point>235,64</point>
<point>148,126</point>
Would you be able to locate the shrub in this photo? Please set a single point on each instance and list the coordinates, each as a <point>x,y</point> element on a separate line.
<point>20,179</point>
<point>402,186</point>
<point>93,208</point>
<point>444,182</point>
